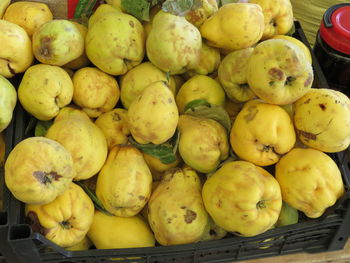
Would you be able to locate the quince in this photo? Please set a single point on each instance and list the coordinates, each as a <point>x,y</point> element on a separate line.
<point>242,198</point>
<point>124,182</point>
<point>16,53</point>
<point>176,212</point>
<point>322,120</point>
<point>153,115</point>
<point>115,41</point>
<point>95,91</point>
<point>38,170</point>
<point>53,89</point>
<point>8,100</point>
<point>28,15</point>
<point>261,133</point>
<point>66,220</point>
<point>310,181</point>
<point>234,26</point>
<point>173,43</point>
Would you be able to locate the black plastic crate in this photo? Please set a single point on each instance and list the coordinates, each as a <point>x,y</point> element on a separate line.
<point>327,233</point>
<point>5,196</point>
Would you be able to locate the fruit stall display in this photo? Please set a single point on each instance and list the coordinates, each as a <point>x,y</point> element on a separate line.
<point>168,131</point>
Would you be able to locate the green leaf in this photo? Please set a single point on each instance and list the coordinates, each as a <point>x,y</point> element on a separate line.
<point>211,111</point>
<point>138,8</point>
<point>180,7</point>
<point>196,103</point>
<point>41,127</point>
<point>168,76</point>
<point>98,204</point>
<point>224,2</point>
<point>165,152</point>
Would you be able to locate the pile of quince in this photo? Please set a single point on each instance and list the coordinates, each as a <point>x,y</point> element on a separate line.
<point>198,122</point>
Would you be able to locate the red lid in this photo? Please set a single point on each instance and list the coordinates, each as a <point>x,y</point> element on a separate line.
<point>335,28</point>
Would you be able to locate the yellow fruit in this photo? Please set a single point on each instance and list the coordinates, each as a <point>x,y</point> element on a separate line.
<point>66,220</point>
<point>209,60</point>
<point>108,232</point>
<point>278,71</point>
<point>261,133</point>
<point>175,210</point>
<point>234,26</point>
<point>3,5</point>
<point>298,43</point>
<point>322,120</point>
<point>57,42</point>
<point>232,75</point>
<point>115,41</point>
<point>158,123</point>
<point>200,87</point>
<point>205,9</point>
<point>84,244</point>
<point>95,91</point>
<point>288,216</point>
<point>124,182</point>
<point>203,143</point>
<point>38,170</point>
<point>173,44</point>
<point>53,89</point>
<point>16,47</point>
<point>278,16</point>
<point>116,4</point>
<point>28,15</point>
<point>158,168</point>
<point>114,125</point>
<point>82,138</point>
<point>8,101</point>
<point>310,181</point>
<point>242,198</point>
<point>83,60</point>
<point>138,78</point>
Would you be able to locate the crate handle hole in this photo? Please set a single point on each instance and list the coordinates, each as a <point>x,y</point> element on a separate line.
<point>340,239</point>
<point>20,232</point>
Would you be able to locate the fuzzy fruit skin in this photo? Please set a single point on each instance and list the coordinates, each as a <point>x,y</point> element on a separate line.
<point>322,120</point>
<point>57,42</point>
<point>114,125</point>
<point>200,87</point>
<point>234,26</point>
<point>232,74</point>
<point>82,138</point>
<point>261,133</point>
<point>38,170</point>
<point>176,212</point>
<point>66,220</point>
<point>242,198</point>
<point>209,61</point>
<point>28,15</point>
<point>278,72</point>
<point>83,60</point>
<point>173,44</point>
<point>124,182</point>
<point>153,115</point>
<point>138,78</point>
<point>310,181</point>
<point>278,16</point>
<point>203,143</point>
<point>16,48</point>
<point>95,91</point>
<point>115,41</point>
<point>108,232</point>
<point>53,89</point>
<point>298,43</point>
<point>8,100</point>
